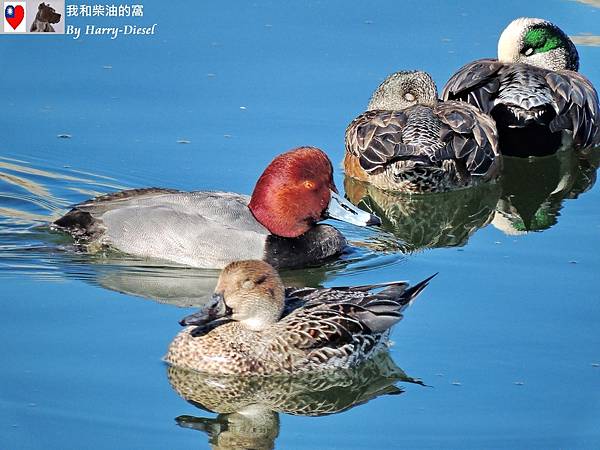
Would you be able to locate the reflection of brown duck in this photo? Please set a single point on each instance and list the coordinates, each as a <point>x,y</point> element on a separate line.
<point>254,427</point>
<point>533,189</point>
<point>248,406</point>
<point>427,221</point>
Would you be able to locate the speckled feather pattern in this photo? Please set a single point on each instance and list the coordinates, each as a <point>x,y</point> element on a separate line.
<point>424,149</point>
<point>321,329</point>
<point>309,394</point>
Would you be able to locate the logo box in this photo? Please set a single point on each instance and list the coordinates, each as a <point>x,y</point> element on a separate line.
<point>41,17</point>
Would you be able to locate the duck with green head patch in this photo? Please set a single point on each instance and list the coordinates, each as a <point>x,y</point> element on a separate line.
<point>533,91</point>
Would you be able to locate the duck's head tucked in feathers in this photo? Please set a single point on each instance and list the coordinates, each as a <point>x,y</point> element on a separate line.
<point>539,43</point>
<point>404,89</point>
<point>297,190</point>
<point>249,292</point>
<point>253,326</point>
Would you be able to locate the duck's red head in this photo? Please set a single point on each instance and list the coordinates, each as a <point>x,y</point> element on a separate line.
<point>293,192</point>
<point>296,190</point>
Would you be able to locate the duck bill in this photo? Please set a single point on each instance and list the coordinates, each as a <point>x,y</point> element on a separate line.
<point>341,209</point>
<point>215,309</point>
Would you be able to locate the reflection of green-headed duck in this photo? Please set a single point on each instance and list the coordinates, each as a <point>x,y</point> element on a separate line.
<point>533,90</point>
<point>408,141</point>
<point>533,189</point>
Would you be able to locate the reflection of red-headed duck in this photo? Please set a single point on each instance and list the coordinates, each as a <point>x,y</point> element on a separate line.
<point>210,229</point>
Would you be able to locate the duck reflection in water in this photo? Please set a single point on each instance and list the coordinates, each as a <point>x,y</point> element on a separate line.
<point>420,222</point>
<point>528,197</point>
<point>533,189</point>
<point>248,407</point>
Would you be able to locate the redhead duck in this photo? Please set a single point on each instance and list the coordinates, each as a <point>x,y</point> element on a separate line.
<point>211,229</point>
<point>254,326</point>
<point>533,90</point>
<point>410,142</point>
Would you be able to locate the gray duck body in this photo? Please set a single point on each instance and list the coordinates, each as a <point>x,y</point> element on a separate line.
<point>182,227</point>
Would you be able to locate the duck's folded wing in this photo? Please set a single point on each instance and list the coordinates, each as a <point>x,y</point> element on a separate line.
<point>335,316</point>
<point>111,200</point>
<point>203,229</point>
<point>577,105</point>
<point>470,137</point>
<point>83,219</point>
<point>375,138</point>
<point>475,83</point>
<point>296,297</point>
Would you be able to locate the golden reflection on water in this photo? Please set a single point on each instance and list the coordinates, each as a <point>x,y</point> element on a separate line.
<point>594,3</point>
<point>31,191</point>
<point>29,185</point>
<point>21,217</point>
<point>588,40</point>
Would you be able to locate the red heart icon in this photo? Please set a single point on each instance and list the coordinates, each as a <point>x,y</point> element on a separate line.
<point>16,20</point>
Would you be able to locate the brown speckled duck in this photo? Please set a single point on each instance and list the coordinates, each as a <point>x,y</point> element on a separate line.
<point>254,326</point>
<point>408,141</point>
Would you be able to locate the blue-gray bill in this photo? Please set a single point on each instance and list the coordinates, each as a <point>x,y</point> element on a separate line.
<point>341,209</point>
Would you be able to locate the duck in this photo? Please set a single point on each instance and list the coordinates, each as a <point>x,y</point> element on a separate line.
<point>278,223</point>
<point>254,326</point>
<point>408,141</point>
<point>533,90</point>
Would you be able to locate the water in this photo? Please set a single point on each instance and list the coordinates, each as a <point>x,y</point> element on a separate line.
<point>505,338</point>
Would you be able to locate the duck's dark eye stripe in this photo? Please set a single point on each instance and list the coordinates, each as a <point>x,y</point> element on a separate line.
<point>261,279</point>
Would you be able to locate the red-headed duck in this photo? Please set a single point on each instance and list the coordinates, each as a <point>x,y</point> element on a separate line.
<point>211,229</point>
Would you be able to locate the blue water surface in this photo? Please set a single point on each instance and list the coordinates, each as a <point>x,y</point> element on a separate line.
<point>505,338</point>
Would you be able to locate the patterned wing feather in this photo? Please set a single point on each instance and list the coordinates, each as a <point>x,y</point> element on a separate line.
<point>470,137</point>
<point>577,104</point>
<point>336,316</point>
<point>376,138</point>
<point>475,83</point>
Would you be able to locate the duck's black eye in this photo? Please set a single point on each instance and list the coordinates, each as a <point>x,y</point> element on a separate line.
<point>228,310</point>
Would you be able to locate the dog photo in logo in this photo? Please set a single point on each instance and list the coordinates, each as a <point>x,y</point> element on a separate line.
<point>14,17</point>
<point>45,17</point>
